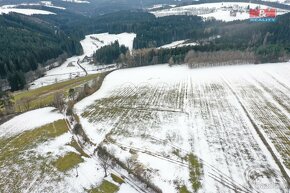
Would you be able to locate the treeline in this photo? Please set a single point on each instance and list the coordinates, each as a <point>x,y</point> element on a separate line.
<point>110,53</point>
<point>26,43</point>
<point>144,57</point>
<point>270,41</point>
<point>198,56</point>
<point>115,53</point>
<point>218,58</point>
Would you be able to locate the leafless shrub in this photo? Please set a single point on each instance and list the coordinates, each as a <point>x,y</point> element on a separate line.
<point>218,58</point>
<point>58,101</point>
<point>105,159</point>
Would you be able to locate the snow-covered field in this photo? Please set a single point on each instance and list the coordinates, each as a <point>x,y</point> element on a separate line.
<point>160,114</point>
<point>286,2</point>
<point>220,11</point>
<point>70,69</point>
<point>10,8</point>
<point>28,121</point>
<point>30,145</point>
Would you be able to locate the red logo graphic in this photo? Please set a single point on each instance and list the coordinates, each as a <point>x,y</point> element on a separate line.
<point>260,13</point>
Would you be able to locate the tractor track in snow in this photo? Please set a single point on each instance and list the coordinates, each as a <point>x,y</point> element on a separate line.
<point>262,137</point>
<point>216,174</point>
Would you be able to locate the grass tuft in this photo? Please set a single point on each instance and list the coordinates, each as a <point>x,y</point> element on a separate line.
<point>117,179</point>
<point>105,187</point>
<point>75,145</point>
<point>195,172</point>
<point>183,189</point>
<point>68,161</point>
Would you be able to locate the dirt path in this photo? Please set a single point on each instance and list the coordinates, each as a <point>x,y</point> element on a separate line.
<point>78,62</point>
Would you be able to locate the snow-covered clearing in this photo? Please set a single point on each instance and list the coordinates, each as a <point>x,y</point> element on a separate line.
<point>225,11</point>
<point>159,6</point>
<point>93,42</point>
<point>76,1</point>
<point>286,2</point>
<point>7,10</point>
<point>162,114</point>
<point>29,121</point>
<point>70,68</point>
<point>50,4</point>
<point>180,43</point>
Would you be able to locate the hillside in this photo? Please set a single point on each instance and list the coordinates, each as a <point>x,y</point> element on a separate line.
<point>26,43</point>
<point>92,7</point>
<point>45,37</point>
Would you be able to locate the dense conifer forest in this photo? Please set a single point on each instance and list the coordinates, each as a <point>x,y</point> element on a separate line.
<point>26,43</point>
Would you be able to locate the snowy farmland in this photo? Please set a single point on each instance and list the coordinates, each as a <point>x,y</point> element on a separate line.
<point>197,130</point>
<point>39,154</point>
<point>225,11</point>
<point>232,118</point>
<point>71,69</point>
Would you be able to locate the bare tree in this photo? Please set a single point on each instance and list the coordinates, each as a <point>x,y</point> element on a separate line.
<point>58,101</point>
<point>7,102</point>
<point>105,159</point>
<point>171,61</point>
<point>131,162</point>
<point>218,58</point>
<point>87,89</point>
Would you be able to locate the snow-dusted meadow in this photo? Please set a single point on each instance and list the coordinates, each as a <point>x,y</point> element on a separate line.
<point>164,113</point>
<point>219,11</point>
<point>29,121</point>
<point>27,156</point>
<point>70,69</point>
<point>159,115</point>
